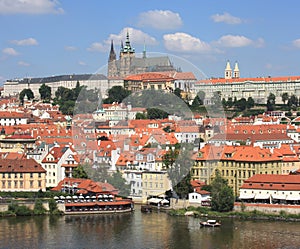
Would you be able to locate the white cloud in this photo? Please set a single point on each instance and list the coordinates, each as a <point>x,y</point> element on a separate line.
<point>185,43</point>
<point>29,7</point>
<point>10,51</point>
<point>296,43</point>
<point>234,41</point>
<point>97,47</point>
<point>81,63</point>
<point>25,42</point>
<point>23,64</point>
<point>136,37</point>
<point>226,18</point>
<point>160,19</point>
<point>70,48</point>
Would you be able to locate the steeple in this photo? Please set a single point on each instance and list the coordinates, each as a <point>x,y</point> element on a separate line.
<point>112,54</point>
<point>228,71</point>
<point>127,48</point>
<point>236,71</point>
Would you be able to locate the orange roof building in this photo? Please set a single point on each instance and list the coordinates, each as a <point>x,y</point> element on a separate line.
<point>259,88</point>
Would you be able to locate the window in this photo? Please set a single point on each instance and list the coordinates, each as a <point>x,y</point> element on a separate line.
<point>31,184</point>
<point>31,175</point>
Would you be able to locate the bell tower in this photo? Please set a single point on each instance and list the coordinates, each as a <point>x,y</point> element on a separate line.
<point>228,71</point>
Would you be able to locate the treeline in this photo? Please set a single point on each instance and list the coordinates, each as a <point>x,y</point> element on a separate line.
<point>14,209</point>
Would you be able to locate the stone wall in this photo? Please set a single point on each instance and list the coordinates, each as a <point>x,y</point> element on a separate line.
<point>268,208</point>
<point>29,204</point>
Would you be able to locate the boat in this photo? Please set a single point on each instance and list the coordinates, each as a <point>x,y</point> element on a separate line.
<point>146,208</point>
<point>210,223</point>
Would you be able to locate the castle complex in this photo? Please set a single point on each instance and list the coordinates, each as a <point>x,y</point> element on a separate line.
<point>129,64</point>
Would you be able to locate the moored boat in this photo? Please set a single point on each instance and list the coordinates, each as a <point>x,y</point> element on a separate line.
<point>210,223</point>
<point>146,208</point>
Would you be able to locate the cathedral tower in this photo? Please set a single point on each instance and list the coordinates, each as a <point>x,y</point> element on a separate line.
<point>127,54</point>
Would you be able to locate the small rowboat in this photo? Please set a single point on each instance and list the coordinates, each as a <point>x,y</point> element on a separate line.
<point>210,223</point>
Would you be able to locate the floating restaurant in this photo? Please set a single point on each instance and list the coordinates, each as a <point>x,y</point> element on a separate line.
<point>90,197</point>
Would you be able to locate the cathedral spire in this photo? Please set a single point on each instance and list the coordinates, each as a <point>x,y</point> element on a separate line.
<point>112,54</point>
<point>127,47</point>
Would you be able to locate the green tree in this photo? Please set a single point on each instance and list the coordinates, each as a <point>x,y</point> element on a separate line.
<point>155,113</point>
<point>184,187</point>
<point>241,104</point>
<point>140,115</point>
<point>45,92</point>
<point>26,92</point>
<point>196,102</point>
<point>67,107</point>
<point>250,103</point>
<point>222,197</point>
<point>229,102</point>
<point>120,183</point>
<point>39,208</point>
<point>178,163</point>
<point>80,172</point>
<point>116,94</point>
<point>285,97</point>
<point>53,207</point>
<point>271,102</point>
<point>293,102</point>
<point>77,90</point>
<point>177,92</point>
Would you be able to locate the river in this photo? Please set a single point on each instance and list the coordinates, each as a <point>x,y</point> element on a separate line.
<point>144,231</point>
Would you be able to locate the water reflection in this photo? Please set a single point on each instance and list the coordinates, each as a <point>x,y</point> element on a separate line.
<point>139,230</point>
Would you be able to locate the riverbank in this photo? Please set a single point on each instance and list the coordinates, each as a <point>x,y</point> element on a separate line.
<point>247,215</point>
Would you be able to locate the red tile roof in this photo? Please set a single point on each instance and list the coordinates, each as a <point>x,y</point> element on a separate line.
<point>20,166</point>
<point>273,182</point>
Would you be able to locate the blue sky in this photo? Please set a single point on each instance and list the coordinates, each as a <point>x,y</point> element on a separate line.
<point>46,37</point>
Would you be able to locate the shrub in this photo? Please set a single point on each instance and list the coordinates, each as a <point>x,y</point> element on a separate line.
<point>39,208</point>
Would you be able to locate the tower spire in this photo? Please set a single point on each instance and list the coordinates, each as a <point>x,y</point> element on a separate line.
<point>127,47</point>
<point>112,54</point>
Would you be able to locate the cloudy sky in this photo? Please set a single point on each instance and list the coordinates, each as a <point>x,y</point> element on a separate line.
<point>53,37</point>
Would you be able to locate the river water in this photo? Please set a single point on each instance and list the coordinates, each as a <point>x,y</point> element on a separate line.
<point>144,231</point>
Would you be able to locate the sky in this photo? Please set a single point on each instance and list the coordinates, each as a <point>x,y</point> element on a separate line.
<point>41,38</point>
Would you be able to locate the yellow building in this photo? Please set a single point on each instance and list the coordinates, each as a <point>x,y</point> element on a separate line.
<point>21,175</point>
<point>149,81</point>
<point>235,163</point>
<point>155,183</point>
